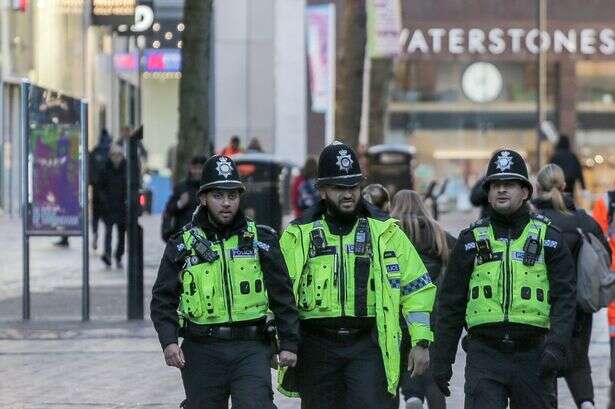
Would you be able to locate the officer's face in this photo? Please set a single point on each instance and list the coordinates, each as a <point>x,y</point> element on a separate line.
<point>343,198</point>
<point>507,196</point>
<point>222,205</point>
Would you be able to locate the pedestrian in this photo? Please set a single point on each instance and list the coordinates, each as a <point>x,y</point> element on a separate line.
<point>183,202</point>
<point>223,273</point>
<point>233,147</point>
<point>303,190</point>
<point>113,189</point>
<point>560,209</point>
<point>478,197</point>
<point>510,282</point>
<point>603,211</point>
<point>354,271</point>
<point>433,244</point>
<point>254,146</point>
<point>98,160</point>
<point>568,161</point>
<point>377,195</point>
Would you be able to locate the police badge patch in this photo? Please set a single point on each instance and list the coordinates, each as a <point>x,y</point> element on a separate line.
<point>344,161</point>
<point>224,167</point>
<point>503,161</point>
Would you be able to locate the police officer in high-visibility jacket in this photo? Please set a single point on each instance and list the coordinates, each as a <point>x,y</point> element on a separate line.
<point>353,272</point>
<point>217,280</point>
<point>510,281</point>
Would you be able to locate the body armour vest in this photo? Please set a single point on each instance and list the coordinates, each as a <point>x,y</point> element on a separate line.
<point>509,282</point>
<point>337,279</point>
<point>222,281</point>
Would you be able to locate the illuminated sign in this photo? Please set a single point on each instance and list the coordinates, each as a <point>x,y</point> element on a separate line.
<point>163,60</point>
<point>113,12</point>
<point>125,62</point>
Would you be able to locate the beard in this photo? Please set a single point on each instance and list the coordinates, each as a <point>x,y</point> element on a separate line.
<point>339,215</point>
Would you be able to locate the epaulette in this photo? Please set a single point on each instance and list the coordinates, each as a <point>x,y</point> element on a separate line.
<point>181,231</point>
<point>541,218</point>
<point>482,222</point>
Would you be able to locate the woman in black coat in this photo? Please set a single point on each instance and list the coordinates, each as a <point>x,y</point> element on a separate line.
<point>433,245</point>
<point>560,208</point>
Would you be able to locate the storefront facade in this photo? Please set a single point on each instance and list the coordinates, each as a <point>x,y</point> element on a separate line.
<point>466,82</point>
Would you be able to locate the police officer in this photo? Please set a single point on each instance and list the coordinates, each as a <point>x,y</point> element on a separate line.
<point>353,271</point>
<point>222,273</point>
<point>510,282</point>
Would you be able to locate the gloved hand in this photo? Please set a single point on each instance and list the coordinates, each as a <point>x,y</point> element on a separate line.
<point>553,359</point>
<point>442,373</point>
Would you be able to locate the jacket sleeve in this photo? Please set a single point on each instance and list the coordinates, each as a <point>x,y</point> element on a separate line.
<point>453,298</point>
<point>294,252</point>
<point>600,215</point>
<point>279,290</point>
<point>417,292</point>
<point>561,272</point>
<point>588,224</point>
<point>165,297</point>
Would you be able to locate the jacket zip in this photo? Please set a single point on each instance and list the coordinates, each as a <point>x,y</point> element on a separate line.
<point>227,282</point>
<point>507,279</point>
<point>342,273</point>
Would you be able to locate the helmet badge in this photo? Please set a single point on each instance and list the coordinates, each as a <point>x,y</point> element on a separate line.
<point>224,167</point>
<point>344,160</point>
<point>503,161</point>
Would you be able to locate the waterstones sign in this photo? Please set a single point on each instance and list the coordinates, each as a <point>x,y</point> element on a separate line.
<point>496,41</point>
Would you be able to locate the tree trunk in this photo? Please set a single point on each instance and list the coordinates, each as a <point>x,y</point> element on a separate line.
<point>349,72</point>
<point>380,78</point>
<point>193,135</point>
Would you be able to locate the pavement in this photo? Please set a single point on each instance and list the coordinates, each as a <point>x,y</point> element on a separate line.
<point>55,361</point>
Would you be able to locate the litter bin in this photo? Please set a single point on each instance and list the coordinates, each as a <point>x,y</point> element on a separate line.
<point>264,178</point>
<point>391,166</point>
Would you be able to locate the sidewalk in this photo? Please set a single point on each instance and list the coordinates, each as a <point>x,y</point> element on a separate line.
<point>57,362</point>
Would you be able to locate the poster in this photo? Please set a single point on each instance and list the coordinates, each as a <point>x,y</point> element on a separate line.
<point>383,28</point>
<point>321,52</point>
<point>54,163</point>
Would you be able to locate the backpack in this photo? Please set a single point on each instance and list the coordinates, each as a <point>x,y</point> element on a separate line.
<point>595,281</point>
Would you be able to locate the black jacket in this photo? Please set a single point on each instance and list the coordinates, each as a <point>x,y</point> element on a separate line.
<point>167,288</point>
<point>453,295</point>
<point>429,255</point>
<point>113,192</point>
<point>567,160</point>
<point>181,217</point>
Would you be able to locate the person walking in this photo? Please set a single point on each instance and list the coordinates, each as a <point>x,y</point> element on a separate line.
<point>98,160</point>
<point>303,191</point>
<point>603,211</point>
<point>434,245</point>
<point>560,209</point>
<point>183,202</point>
<point>510,281</point>
<point>113,190</point>
<point>377,195</point>
<point>569,163</point>
<point>233,147</point>
<point>223,273</point>
<point>353,272</point>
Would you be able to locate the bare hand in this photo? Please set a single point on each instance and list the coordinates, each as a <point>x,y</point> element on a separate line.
<point>183,200</point>
<point>174,356</point>
<point>418,360</point>
<point>287,358</point>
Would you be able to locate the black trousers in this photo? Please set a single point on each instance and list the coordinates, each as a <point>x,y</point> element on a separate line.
<point>341,373</point>
<point>494,378</point>
<point>218,369</point>
<point>578,375</point>
<point>121,236</point>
